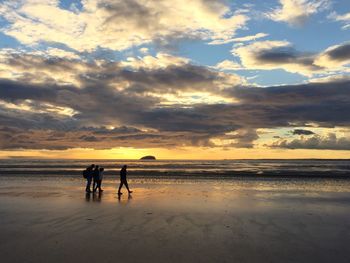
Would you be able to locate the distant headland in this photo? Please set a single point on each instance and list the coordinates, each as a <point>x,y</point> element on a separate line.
<point>148,157</point>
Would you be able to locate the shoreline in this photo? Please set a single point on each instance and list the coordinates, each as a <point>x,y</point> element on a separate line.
<point>181,175</point>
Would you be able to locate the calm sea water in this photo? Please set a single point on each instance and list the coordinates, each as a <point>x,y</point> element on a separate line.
<point>180,168</point>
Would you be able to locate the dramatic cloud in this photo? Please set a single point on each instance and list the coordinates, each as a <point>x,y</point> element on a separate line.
<point>151,101</point>
<point>104,73</point>
<point>297,12</point>
<point>43,110</point>
<point>274,55</point>
<point>329,142</point>
<point>162,73</point>
<point>96,138</point>
<point>270,55</point>
<point>118,24</point>
<point>335,56</point>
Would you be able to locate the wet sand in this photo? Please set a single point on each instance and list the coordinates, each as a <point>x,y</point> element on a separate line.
<point>255,220</point>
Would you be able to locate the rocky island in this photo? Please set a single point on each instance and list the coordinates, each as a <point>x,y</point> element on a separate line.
<point>148,157</point>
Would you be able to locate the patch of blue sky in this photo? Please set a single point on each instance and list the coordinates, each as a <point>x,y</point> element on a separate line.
<point>5,40</point>
<point>253,5</point>
<point>8,42</point>
<point>313,36</point>
<point>202,53</point>
<point>317,34</point>
<point>341,6</point>
<point>69,4</point>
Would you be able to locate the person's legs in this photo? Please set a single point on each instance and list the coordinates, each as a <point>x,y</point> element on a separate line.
<point>127,186</point>
<point>95,184</point>
<point>120,186</point>
<point>88,185</point>
<point>99,185</point>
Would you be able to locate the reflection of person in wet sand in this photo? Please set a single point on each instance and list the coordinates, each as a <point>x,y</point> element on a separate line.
<point>123,180</point>
<point>124,202</point>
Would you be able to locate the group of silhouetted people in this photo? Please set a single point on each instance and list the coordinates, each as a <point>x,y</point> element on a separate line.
<point>94,174</point>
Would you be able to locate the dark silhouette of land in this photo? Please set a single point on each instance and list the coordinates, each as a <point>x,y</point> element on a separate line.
<point>148,157</point>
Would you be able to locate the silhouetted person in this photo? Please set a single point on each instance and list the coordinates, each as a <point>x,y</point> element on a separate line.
<point>123,180</point>
<point>88,174</point>
<point>99,181</point>
<point>95,176</point>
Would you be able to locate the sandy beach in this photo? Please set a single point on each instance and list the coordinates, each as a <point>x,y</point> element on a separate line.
<point>238,220</point>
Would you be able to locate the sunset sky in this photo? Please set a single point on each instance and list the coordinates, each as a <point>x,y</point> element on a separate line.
<point>178,79</point>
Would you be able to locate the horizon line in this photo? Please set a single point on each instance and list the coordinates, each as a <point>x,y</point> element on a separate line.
<point>161,159</point>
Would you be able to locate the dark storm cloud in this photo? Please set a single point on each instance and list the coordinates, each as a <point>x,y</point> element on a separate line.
<point>339,53</point>
<point>102,101</point>
<point>260,108</point>
<point>17,138</point>
<point>31,120</point>
<point>96,104</point>
<point>323,103</point>
<point>27,61</point>
<point>171,79</point>
<point>302,132</point>
<point>286,55</point>
<point>117,130</point>
<point>289,95</point>
<point>15,91</point>
<point>330,142</point>
<point>244,138</point>
<point>269,55</point>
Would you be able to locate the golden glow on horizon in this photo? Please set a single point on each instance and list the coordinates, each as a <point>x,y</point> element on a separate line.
<point>179,153</point>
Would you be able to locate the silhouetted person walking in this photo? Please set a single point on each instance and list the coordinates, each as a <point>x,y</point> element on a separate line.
<point>95,176</point>
<point>99,181</point>
<point>123,180</point>
<point>88,174</point>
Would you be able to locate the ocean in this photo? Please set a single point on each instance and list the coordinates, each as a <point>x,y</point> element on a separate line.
<point>180,168</point>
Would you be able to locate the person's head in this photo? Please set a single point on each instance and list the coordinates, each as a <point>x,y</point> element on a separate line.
<point>101,169</point>
<point>125,166</point>
<point>96,167</point>
<point>92,166</point>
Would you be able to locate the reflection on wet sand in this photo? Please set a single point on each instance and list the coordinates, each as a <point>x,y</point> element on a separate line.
<point>96,197</point>
<point>109,197</point>
<point>188,221</point>
<point>124,201</point>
